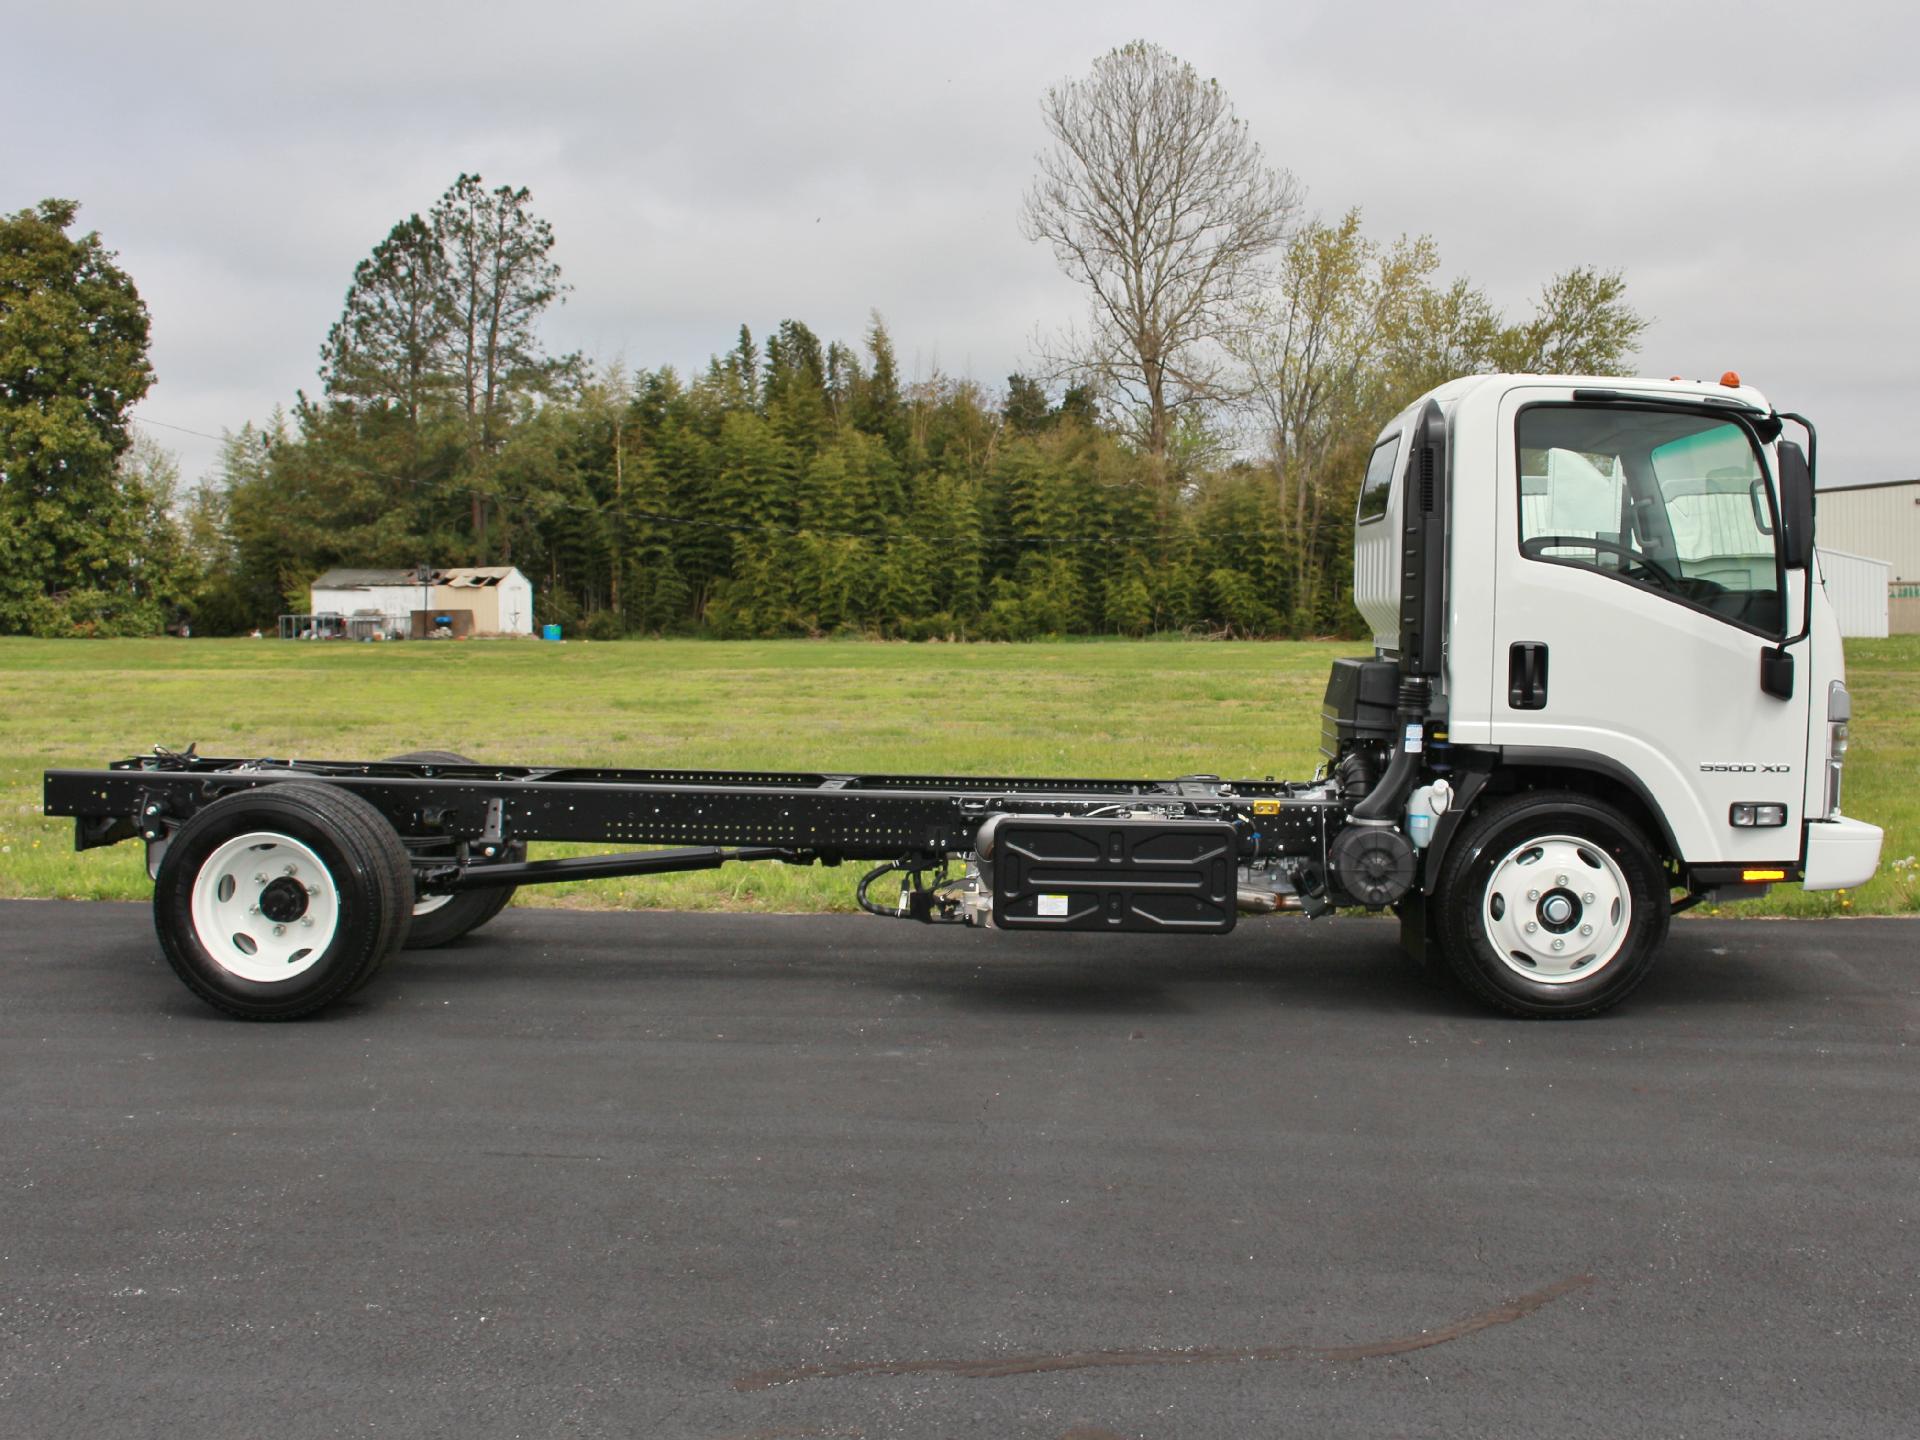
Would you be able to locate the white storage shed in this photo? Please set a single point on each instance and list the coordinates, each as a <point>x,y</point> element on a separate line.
<point>499,597</point>
<point>392,594</point>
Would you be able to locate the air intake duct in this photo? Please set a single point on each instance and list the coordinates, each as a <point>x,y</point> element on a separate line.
<point>1384,801</point>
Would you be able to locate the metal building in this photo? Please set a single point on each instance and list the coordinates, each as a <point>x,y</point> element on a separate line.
<point>1881,521</point>
<point>1857,589</point>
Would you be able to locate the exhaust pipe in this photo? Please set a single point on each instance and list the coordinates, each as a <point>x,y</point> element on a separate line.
<point>1266,902</point>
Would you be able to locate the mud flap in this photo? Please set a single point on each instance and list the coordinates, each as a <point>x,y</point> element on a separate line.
<point>1413,926</point>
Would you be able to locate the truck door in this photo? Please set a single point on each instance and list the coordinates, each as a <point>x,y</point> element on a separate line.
<point>1638,578</point>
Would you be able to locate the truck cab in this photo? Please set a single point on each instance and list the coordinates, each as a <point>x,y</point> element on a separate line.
<point>1608,590</point>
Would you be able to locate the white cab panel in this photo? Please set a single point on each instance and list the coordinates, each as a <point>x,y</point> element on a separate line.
<point>1668,693</point>
<point>1376,541</point>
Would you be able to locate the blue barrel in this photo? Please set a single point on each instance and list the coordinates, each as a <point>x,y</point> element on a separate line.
<point>549,632</point>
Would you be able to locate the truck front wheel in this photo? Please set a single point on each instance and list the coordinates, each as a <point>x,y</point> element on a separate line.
<point>1551,905</point>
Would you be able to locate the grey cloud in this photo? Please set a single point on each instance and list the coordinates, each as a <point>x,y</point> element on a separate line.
<point>1751,166</point>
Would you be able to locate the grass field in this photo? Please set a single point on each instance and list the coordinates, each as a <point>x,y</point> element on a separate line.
<point>1116,708</point>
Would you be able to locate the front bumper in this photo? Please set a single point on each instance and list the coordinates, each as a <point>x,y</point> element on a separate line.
<point>1840,854</point>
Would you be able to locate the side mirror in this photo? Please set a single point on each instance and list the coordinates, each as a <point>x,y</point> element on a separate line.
<point>1796,507</point>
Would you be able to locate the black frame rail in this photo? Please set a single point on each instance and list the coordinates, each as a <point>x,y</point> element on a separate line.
<point>475,811</point>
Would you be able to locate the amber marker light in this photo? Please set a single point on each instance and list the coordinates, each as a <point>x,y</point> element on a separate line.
<point>1749,876</point>
<point>1731,379</point>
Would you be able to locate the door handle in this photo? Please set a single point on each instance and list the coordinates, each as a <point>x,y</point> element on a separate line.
<point>1527,675</point>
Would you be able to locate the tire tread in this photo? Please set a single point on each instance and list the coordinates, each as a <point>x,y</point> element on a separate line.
<point>1453,902</point>
<point>371,847</point>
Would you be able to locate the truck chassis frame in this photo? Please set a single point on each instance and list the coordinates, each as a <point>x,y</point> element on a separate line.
<point>466,823</point>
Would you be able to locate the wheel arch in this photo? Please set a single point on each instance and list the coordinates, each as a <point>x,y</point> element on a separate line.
<point>1517,768</point>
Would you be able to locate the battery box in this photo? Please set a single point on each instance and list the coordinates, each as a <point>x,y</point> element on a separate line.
<point>1068,873</point>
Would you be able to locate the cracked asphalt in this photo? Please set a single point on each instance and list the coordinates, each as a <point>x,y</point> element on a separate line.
<point>666,1175</point>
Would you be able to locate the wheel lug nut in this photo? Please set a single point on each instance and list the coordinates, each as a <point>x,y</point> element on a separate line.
<point>1531,927</point>
<point>1533,894</point>
<point>260,879</point>
<point>295,870</point>
<point>315,890</point>
<point>1587,899</point>
<point>279,929</point>
<point>253,910</point>
<point>1559,944</point>
<point>1558,879</point>
<point>1586,929</point>
<point>307,920</point>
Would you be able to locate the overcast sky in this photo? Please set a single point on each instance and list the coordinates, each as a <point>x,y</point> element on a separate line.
<point>1754,168</point>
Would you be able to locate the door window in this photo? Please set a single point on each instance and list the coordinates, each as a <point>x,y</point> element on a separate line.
<point>1669,501</point>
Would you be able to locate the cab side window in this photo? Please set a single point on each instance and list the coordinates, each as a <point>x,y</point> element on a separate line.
<point>1379,482</point>
<point>1671,501</point>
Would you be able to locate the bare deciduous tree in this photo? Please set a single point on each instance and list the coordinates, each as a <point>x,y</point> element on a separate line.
<point>1158,200</point>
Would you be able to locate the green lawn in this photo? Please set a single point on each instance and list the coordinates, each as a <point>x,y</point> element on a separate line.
<point>1114,708</point>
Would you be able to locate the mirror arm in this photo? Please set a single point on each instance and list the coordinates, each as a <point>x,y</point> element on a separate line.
<point>1813,491</point>
<point>1776,661</point>
<point>1813,441</point>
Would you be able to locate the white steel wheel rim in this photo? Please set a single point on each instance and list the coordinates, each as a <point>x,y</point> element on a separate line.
<point>1557,909</point>
<point>247,916</point>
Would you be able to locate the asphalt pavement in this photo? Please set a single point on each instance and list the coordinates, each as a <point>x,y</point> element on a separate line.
<point>669,1175</point>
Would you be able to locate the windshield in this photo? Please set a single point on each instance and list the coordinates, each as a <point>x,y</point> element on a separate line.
<point>1671,501</point>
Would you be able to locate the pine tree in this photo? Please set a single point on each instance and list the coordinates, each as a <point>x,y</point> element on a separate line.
<point>390,344</point>
<point>877,406</point>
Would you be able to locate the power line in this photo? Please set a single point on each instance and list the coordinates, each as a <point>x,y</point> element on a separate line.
<point>162,424</point>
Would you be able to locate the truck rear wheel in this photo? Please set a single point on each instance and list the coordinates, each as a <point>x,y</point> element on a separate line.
<point>271,903</point>
<point>442,919</point>
<point>1551,905</point>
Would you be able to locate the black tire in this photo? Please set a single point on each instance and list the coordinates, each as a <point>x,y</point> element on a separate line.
<point>367,890</point>
<point>442,924</point>
<point>1608,876</point>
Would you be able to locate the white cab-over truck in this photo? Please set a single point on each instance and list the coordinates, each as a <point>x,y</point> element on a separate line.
<point>1605,684</point>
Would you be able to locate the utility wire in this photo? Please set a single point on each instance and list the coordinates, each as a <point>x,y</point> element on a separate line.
<point>143,420</point>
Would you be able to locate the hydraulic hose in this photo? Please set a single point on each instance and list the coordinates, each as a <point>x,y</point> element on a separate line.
<point>860,892</point>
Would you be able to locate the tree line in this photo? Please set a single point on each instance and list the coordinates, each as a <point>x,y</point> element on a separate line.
<point>1188,461</point>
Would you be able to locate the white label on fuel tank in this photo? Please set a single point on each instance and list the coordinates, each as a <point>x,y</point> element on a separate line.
<point>1053,904</point>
